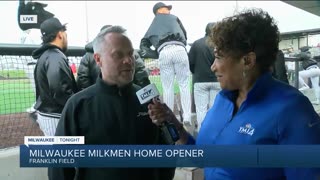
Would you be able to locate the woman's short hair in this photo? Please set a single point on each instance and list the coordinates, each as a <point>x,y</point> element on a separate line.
<point>252,30</point>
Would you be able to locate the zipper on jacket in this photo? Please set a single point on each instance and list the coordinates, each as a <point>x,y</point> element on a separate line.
<point>232,117</point>
<point>228,122</point>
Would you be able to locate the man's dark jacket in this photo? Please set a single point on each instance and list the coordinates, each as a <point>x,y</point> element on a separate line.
<point>54,80</point>
<point>279,68</point>
<point>88,70</point>
<point>201,58</point>
<point>107,115</point>
<point>164,28</point>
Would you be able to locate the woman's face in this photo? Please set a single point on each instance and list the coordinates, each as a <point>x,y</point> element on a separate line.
<point>228,70</point>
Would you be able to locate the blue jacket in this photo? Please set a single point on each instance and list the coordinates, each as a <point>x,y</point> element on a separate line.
<point>273,113</point>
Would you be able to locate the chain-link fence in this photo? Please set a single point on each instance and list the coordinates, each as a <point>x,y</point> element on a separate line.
<point>17,90</point>
<point>16,96</point>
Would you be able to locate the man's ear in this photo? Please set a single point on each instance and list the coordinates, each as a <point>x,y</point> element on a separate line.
<point>249,60</point>
<point>96,57</point>
<point>60,35</point>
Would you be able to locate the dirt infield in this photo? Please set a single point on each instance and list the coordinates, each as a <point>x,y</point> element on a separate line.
<point>13,128</point>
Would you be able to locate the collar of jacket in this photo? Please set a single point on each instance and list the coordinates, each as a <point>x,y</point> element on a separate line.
<point>38,52</point>
<point>103,87</point>
<point>261,86</point>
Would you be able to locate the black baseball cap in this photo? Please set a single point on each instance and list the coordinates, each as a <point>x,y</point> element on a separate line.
<point>105,27</point>
<point>51,26</point>
<point>160,5</point>
<point>304,48</point>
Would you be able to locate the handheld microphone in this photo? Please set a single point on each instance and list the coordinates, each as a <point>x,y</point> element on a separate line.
<point>145,95</point>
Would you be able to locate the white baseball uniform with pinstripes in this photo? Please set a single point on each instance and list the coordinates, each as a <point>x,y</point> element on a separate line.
<point>204,95</point>
<point>48,122</point>
<point>173,62</point>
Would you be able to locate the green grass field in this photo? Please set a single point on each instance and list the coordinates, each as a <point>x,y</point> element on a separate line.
<point>156,80</point>
<point>15,96</point>
<point>13,73</point>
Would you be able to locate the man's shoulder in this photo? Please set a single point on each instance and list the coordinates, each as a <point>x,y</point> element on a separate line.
<point>88,58</point>
<point>165,16</point>
<point>199,44</point>
<point>171,15</point>
<point>198,41</point>
<point>53,53</point>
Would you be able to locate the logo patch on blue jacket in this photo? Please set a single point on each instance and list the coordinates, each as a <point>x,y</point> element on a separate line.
<point>247,129</point>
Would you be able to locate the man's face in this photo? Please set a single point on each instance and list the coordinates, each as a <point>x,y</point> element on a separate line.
<point>116,60</point>
<point>163,10</point>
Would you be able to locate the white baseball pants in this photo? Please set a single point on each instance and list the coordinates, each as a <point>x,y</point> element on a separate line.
<point>204,95</point>
<point>48,123</point>
<point>173,62</point>
<point>313,73</point>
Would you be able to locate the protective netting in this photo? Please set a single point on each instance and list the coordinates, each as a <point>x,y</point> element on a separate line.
<point>17,94</point>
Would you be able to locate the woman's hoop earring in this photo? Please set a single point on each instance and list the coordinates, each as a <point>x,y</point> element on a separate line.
<point>244,74</point>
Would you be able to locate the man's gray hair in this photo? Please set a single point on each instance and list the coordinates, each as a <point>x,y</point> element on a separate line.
<point>99,40</point>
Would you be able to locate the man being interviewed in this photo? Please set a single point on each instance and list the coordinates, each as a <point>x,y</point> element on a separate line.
<point>88,70</point>
<point>109,112</point>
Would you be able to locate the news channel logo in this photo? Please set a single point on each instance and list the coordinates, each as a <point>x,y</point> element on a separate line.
<point>147,93</point>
